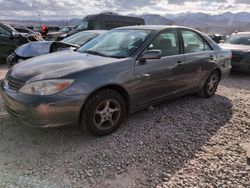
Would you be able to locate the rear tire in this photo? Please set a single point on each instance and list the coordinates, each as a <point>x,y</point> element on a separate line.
<point>210,85</point>
<point>103,112</point>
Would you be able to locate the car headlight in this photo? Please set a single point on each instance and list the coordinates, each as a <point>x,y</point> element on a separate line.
<point>46,87</point>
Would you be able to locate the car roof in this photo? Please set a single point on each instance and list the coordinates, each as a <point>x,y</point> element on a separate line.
<point>109,16</point>
<point>243,33</point>
<point>155,27</point>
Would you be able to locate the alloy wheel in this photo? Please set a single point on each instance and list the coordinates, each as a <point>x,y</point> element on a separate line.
<point>107,114</point>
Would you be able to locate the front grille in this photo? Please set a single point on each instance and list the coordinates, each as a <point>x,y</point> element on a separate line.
<point>14,84</point>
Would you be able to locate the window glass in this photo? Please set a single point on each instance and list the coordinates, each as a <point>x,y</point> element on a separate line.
<point>116,43</point>
<point>241,39</point>
<point>193,42</point>
<point>82,25</point>
<point>94,25</point>
<point>167,42</point>
<point>4,32</point>
<point>112,25</point>
<point>80,38</point>
<point>21,30</point>
<point>65,29</point>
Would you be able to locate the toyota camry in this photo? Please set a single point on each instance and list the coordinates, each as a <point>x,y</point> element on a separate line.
<point>120,72</point>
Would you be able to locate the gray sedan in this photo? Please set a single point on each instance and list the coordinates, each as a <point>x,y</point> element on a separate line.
<point>239,43</point>
<point>120,72</point>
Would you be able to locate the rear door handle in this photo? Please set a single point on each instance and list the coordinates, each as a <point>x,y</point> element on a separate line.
<point>146,75</point>
<point>179,63</point>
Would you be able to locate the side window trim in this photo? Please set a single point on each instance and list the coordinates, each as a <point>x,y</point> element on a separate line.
<point>181,41</point>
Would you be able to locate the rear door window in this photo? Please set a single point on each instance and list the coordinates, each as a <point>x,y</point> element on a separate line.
<point>193,42</point>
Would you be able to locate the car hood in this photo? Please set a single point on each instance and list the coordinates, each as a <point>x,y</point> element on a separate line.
<point>33,49</point>
<point>236,47</point>
<point>56,65</point>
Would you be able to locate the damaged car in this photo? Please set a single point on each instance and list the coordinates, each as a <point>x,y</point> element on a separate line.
<point>34,49</point>
<point>59,35</point>
<point>10,39</point>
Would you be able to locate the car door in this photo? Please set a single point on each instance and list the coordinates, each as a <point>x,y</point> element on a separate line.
<point>6,42</point>
<point>159,78</point>
<point>199,57</point>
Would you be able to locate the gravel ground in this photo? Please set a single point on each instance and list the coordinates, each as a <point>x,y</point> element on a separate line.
<point>189,142</point>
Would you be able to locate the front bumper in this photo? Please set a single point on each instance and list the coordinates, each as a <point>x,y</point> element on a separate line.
<point>43,111</point>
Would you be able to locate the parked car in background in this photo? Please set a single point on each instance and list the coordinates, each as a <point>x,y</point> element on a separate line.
<point>59,35</point>
<point>119,72</point>
<point>24,31</point>
<point>10,39</point>
<point>34,49</point>
<point>239,43</point>
<point>106,21</point>
<point>44,29</point>
<point>218,38</point>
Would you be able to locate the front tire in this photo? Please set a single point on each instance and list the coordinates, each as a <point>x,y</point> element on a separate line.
<point>103,112</point>
<point>210,85</point>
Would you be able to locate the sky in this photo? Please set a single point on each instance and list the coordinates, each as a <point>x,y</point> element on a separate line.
<point>50,9</point>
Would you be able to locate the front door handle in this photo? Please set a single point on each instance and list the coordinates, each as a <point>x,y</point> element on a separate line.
<point>211,59</point>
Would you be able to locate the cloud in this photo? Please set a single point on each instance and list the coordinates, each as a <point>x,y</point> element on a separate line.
<point>26,9</point>
<point>187,1</point>
<point>242,1</point>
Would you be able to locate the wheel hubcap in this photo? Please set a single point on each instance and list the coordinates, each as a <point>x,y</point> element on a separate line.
<point>212,83</point>
<point>107,114</point>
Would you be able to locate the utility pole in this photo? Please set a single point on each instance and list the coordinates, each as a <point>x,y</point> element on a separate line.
<point>40,21</point>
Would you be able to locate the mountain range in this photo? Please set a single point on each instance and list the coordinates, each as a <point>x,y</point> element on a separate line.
<point>224,23</point>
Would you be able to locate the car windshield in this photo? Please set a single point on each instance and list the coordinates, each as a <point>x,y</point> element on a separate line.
<point>241,39</point>
<point>80,38</point>
<point>116,43</point>
<point>82,25</point>
<point>64,29</point>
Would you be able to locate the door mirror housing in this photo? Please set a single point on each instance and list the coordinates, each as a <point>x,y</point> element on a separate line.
<point>151,54</point>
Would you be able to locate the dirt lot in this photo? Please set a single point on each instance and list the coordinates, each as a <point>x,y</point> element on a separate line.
<point>182,143</point>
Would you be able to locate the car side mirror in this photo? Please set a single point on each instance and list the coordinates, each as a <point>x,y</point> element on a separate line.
<point>149,55</point>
